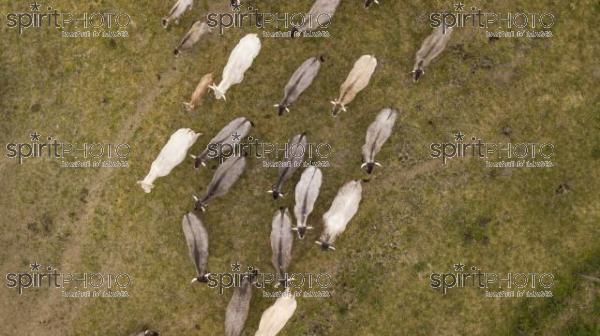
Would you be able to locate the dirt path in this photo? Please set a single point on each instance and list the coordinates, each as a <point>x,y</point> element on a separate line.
<point>53,314</point>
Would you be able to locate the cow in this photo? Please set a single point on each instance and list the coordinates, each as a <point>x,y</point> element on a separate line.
<point>300,81</point>
<point>281,243</point>
<point>294,156</point>
<point>232,133</point>
<point>198,29</point>
<point>319,16</point>
<point>432,46</point>
<point>307,191</point>
<point>196,238</point>
<point>180,7</point>
<point>199,93</point>
<point>172,154</point>
<point>343,208</point>
<point>368,3</point>
<point>238,307</point>
<point>276,316</point>
<point>377,134</point>
<point>146,333</point>
<point>357,80</point>
<point>240,60</point>
<point>225,176</point>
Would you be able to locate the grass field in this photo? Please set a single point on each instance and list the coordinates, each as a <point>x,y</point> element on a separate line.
<point>417,215</point>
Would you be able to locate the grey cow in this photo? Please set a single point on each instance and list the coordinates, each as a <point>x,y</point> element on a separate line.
<point>238,307</point>
<point>318,16</point>
<point>432,46</point>
<point>300,81</point>
<point>223,179</point>
<point>281,243</point>
<point>377,134</point>
<point>294,156</point>
<point>307,191</point>
<point>232,133</point>
<point>196,238</point>
<point>198,29</point>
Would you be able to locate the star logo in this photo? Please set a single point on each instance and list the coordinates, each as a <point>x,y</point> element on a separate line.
<point>35,136</point>
<point>35,7</point>
<point>35,266</point>
<point>235,4</point>
<point>459,136</point>
<point>236,136</point>
<point>459,267</point>
<point>459,6</point>
<point>236,267</point>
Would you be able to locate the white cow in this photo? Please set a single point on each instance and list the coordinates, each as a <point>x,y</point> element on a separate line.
<point>239,61</point>
<point>172,154</point>
<point>180,7</point>
<point>343,208</point>
<point>357,80</point>
<point>276,316</point>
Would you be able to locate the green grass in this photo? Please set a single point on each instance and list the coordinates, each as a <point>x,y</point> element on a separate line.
<point>415,218</point>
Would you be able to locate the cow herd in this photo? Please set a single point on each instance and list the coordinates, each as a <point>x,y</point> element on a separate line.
<point>344,205</point>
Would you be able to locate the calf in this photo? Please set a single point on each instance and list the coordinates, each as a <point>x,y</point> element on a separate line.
<point>343,208</point>
<point>170,156</point>
<point>199,93</point>
<point>240,60</point>
<point>307,191</point>
<point>357,80</point>
<point>377,134</point>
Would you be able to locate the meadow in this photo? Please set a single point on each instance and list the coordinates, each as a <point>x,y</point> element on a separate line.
<point>418,216</point>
